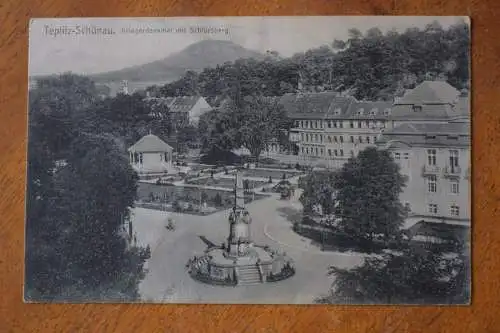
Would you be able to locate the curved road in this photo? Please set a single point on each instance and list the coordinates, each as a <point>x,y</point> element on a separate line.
<point>168,281</point>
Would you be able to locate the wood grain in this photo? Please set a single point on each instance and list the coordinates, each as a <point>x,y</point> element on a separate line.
<point>480,317</point>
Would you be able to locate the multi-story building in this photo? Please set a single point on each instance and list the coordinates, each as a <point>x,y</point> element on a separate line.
<point>329,128</point>
<point>430,140</point>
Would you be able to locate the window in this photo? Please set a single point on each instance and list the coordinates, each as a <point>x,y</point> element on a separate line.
<point>335,124</point>
<point>454,210</point>
<point>317,151</point>
<point>341,125</point>
<point>432,183</point>
<point>329,124</point>
<point>431,157</point>
<point>361,111</point>
<point>360,124</point>
<point>335,152</point>
<point>352,139</point>
<point>367,124</point>
<point>341,152</point>
<point>373,111</point>
<point>307,137</point>
<point>387,112</point>
<point>433,208</point>
<point>397,156</point>
<point>329,152</point>
<point>367,139</point>
<point>454,186</point>
<point>341,139</point>
<point>316,137</point>
<point>351,124</point>
<point>417,108</point>
<point>302,150</point>
<point>301,136</point>
<point>322,152</point>
<point>453,159</point>
<point>316,124</point>
<point>406,156</point>
<point>352,153</point>
<point>335,139</point>
<point>166,157</point>
<point>296,123</point>
<point>360,139</point>
<point>302,123</point>
<point>337,111</point>
<point>329,139</point>
<point>140,158</point>
<point>321,138</point>
<point>407,207</point>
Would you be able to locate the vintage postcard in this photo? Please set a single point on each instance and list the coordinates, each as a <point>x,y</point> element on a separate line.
<point>270,160</point>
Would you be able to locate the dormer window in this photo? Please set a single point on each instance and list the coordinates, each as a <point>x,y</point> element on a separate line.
<point>387,112</point>
<point>361,111</point>
<point>417,108</point>
<point>337,111</point>
<point>373,111</point>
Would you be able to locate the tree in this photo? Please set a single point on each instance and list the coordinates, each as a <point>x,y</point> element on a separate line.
<point>261,120</point>
<point>318,189</point>
<point>368,195</point>
<point>76,247</point>
<point>416,275</point>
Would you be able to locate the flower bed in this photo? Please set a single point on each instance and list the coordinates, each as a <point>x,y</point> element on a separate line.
<point>274,174</point>
<point>187,199</point>
<point>225,182</point>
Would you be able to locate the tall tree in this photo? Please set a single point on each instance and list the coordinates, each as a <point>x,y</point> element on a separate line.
<point>261,121</point>
<point>369,187</point>
<point>318,189</point>
<point>79,194</point>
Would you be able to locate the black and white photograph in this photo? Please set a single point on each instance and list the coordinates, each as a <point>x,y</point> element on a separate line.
<point>250,160</point>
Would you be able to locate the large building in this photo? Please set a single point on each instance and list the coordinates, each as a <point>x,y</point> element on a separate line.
<point>430,139</point>
<point>330,128</point>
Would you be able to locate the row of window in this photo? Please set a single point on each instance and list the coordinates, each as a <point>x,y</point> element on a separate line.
<point>306,137</point>
<point>454,209</point>
<point>432,157</point>
<point>320,124</point>
<point>315,151</point>
<point>432,185</point>
<point>139,158</point>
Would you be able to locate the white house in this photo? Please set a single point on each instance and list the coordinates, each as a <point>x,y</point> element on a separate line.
<point>151,155</point>
<point>182,109</point>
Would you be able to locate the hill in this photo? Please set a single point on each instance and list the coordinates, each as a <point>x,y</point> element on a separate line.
<point>195,57</point>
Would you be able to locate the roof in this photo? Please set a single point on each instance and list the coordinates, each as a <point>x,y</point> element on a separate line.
<point>430,92</point>
<point>150,143</point>
<point>331,105</point>
<point>428,134</point>
<point>176,104</point>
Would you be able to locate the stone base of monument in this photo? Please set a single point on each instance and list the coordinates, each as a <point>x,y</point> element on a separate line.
<point>252,264</point>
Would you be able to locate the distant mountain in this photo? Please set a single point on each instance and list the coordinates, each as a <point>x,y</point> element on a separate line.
<point>196,57</point>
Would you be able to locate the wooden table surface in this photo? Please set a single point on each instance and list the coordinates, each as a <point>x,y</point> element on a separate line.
<point>482,316</point>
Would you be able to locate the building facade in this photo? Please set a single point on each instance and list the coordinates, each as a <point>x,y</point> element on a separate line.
<point>329,129</point>
<point>429,138</point>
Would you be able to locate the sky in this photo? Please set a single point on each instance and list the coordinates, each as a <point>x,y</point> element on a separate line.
<point>94,53</point>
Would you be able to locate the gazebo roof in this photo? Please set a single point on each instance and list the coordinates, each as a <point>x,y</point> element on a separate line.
<point>151,143</point>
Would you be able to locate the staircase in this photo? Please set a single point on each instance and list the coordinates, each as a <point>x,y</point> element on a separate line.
<point>248,275</point>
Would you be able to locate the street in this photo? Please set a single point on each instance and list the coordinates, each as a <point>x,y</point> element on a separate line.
<point>167,279</point>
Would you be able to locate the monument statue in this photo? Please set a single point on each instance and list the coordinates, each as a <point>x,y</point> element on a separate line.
<point>239,240</point>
